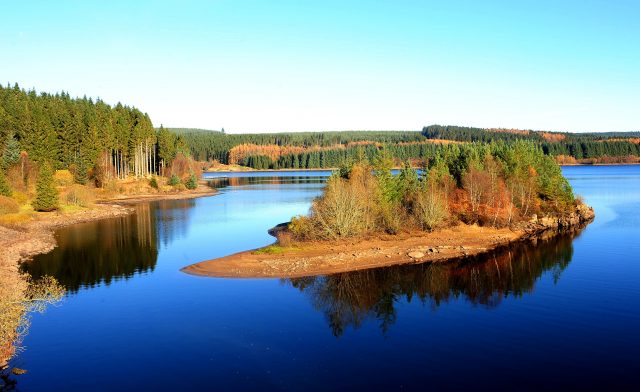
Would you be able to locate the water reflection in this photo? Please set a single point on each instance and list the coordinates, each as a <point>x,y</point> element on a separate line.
<point>99,252</point>
<point>223,182</point>
<point>350,299</point>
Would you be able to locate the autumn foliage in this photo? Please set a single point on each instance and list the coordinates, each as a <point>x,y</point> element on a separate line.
<point>488,184</point>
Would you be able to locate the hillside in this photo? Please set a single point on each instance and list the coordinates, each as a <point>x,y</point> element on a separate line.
<point>309,150</point>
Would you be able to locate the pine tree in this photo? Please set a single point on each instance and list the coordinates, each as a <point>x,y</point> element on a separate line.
<point>81,175</point>
<point>46,192</point>
<point>192,182</point>
<point>5,190</point>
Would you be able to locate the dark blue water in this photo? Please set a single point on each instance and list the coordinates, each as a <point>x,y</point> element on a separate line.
<point>563,314</point>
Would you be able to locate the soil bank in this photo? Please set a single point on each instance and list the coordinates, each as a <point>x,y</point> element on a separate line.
<point>329,257</point>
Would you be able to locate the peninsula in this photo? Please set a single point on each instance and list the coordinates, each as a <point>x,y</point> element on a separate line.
<point>467,200</point>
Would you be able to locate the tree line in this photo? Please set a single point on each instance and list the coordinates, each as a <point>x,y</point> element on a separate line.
<point>310,150</point>
<point>577,145</point>
<point>214,145</point>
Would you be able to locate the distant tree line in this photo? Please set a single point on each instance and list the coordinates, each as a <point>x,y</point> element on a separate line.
<point>308,150</point>
<point>579,146</point>
<point>212,145</point>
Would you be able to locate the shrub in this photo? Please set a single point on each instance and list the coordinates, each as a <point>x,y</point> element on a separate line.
<point>8,205</point>
<point>192,182</point>
<point>153,183</point>
<point>20,197</point>
<point>430,208</point>
<point>46,193</point>
<point>284,238</point>
<point>174,180</point>
<point>342,210</point>
<point>63,178</point>
<point>301,227</point>
<point>80,195</point>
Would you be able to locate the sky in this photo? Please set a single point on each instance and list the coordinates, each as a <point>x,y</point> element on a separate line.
<point>264,66</point>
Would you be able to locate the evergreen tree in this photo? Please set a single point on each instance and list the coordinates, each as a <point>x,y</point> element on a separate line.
<point>46,192</point>
<point>5,190</point>
<point>192,182</point>
<point>81,176</point>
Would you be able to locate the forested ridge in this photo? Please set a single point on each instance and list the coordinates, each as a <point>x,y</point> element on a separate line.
<point>576,145</point>
<point>302,150</point>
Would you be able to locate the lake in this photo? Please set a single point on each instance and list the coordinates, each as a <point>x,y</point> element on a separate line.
<point>561,314</point>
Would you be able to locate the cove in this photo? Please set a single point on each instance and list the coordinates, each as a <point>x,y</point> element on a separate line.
<point>559,314</point>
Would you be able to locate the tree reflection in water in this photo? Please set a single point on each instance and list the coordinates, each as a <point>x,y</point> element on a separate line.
<point>99,252</point>
<point>265,182</point>
<point>349,299</point>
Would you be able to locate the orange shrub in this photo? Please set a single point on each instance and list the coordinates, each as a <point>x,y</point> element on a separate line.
<point>8,205</point>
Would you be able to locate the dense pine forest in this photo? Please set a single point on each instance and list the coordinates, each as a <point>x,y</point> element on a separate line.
<point>307,150</point>
<point>83,135</point>
<point>578,146</point>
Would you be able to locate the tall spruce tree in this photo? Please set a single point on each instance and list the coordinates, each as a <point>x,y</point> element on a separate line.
<point>46,193</point>
<point>5,189</point>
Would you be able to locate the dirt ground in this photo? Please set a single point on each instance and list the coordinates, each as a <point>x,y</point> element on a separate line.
<point>321,258</point>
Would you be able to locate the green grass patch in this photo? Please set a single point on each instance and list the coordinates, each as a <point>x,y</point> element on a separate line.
<point>274,249</point>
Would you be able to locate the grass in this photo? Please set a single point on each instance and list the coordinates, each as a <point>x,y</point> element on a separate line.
<point>71,208</point>
<point>273,249</point>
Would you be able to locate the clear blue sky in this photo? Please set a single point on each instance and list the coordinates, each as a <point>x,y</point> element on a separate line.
<point>334,65</point>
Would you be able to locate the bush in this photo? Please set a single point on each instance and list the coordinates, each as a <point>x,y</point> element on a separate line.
<point>46,193</point>
<point>430,209</point>
<point>153,183</point>
<point>63,178</point>
<point>173,180</point>
<point>301,227</point>
<point>8,205</point>
<point>80,195</point>
<point>342,210</point>
<point>284,238</point>
<point>192,182</point>
<point>20,197</point>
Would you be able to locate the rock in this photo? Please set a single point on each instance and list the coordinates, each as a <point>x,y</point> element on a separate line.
<point>415,255</point>
<point>18,371</point>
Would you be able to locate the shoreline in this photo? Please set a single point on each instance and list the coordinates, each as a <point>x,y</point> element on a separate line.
<point>348,255</point>
<point>250,170</point>
<point>20,242</point>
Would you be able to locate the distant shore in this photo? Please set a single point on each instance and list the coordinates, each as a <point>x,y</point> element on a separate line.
<point>329,257</point>
<point>244,169</point>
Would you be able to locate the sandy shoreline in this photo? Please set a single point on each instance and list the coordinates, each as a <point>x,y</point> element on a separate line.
<point>25,240</point>
<point>329,257</point>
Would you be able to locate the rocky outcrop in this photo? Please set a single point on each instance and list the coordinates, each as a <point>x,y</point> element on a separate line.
<point>580,215</point>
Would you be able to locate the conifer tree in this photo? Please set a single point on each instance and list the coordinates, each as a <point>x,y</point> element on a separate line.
<point>46,192</point>
<point>192,182</point>
<point>5,190</point>
<point>81,175</point>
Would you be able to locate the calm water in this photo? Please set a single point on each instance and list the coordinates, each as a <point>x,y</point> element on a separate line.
<point>563,314</point>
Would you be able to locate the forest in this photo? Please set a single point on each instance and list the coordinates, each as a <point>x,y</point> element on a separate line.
<point>576,145</point>
<point>87,137</point>
<point>309,150</point>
